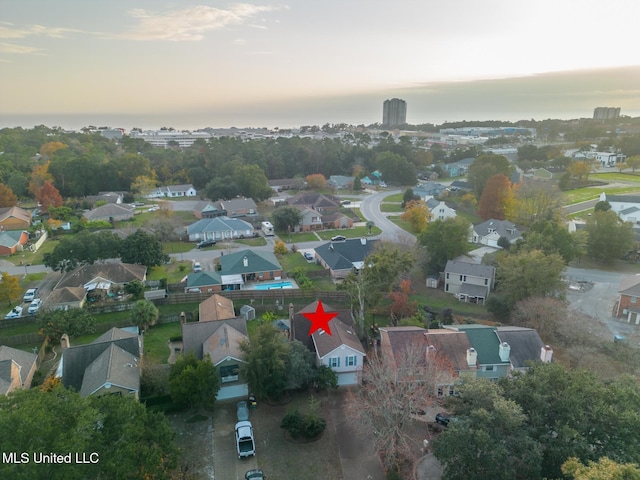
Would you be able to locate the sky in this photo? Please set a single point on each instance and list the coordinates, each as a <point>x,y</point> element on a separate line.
<point>196,63</point>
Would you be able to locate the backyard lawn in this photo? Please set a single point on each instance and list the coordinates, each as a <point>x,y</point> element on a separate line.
<point>355,232</point>
<point>398,197</point>
<point>617,177</point>
<point>391,207</point>
<point>291,260</point>
<point>591,193</point>
<point>173,272</point>
<point>156,338</point>
<point>31,258</point>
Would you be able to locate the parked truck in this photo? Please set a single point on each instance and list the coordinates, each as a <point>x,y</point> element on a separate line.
<point>244,439</point>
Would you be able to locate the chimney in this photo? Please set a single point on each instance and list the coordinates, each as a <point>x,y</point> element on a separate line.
<point>472,357</point>
<point>504,350</point>
<point>64,342</point>
<point>291,312</point>
<point>245,261</point>
<point>363,240</point>
<point>546,353</point>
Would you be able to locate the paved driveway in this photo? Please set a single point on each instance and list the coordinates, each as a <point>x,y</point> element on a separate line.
<point>227,464</point>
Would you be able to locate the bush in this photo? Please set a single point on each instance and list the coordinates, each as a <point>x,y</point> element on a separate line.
<point>308,426</point>
<point>280,248</point>
<point>313,425</point>
<point>293,423</point>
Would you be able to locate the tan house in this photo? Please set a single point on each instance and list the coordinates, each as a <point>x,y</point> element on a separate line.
<point>14,218</point>
<point>16,369</point>
<point>111,212</point>
<point>66,298</point>
<point>216,307</point>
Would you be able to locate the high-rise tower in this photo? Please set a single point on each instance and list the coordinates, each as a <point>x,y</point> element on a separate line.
<point>394,112</point>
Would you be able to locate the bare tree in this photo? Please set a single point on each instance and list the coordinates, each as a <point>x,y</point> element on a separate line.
<point>542,313</point>
<point>396,385</point>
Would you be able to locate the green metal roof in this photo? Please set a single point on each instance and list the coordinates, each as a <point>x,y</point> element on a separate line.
<point>486,342</point>
<point>256,261</point>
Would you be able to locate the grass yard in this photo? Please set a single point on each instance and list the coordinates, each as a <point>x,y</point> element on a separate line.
<point>156,338</point>
<point>391,207</point>
<point>398,197</point>
<point>172,272</point>
<point>403,224</point>
<point>291,260</point>
<point>177,247</point>
<point>617,177</point>
<point>33,258</point>
<point>297,237</point>
<point>355,232</point>
<point>252,242</point>
<point>591,193</point>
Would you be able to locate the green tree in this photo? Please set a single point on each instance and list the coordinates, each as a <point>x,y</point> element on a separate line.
<point>266,362</point>
<point>379,273</point>
<point>83,248</point>
<point>527,274</point>
<point>550,236</point>
<point>408,196</point>
<point>299,366</point>
<point>608,237</point>
<point>74,322</point>
<point>142,248</point>
<point>286,218</point>
<point>602,206</point>
<point>9,288</point>
<point>134,288</point>
<point>633,163</point>
<point>357,184</point>
<point>490,440</point>
<point>144,314</point>
<point>194,382</point>
<point>484,167</point>
<point>445,240</point>
<point>603,469</point>
<point>252,182</point>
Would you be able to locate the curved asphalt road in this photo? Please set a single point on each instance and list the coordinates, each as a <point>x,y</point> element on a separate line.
<point>370,209</point>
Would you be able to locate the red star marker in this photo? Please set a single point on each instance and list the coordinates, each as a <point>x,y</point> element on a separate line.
<point>320,319</point>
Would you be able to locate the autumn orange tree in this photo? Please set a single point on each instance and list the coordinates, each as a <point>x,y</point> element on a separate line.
<point>49,148</point>
<point>401,305</point>
<point>39,176</point>
<point>417,214</point>
<point>7,197</point>
<point>9,288</point>
<point>316,181</point>
<point>497,198</point>
<point>49,196</point>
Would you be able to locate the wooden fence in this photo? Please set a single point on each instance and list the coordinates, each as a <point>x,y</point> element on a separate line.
<point>257,296</point>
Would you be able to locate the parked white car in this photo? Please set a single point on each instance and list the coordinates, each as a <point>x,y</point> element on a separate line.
<point>29,295</point>
<point>34,306</point>
<point>14,313</point>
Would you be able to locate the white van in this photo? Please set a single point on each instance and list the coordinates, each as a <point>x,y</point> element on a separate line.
<point>197,267</point>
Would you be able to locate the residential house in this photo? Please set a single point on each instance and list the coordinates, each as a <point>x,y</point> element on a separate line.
<point>173,191</point>
<point>14,218</point>
<point>311,219</point>
<point>548,173</point>
<point>459,168</point>
<point>336,220</point>
<point>489,232</point>
<point>16,369</point>
<point>460,185</point>
<point>627,207</point>
<point>106,197</point>
<point>110,212</point>
<point>65,298</point>
<point>492,356</point>
<point>439,209</point>
<point>116,275</point>
<point>203,282</point>
<point>316,201</point>
<point>108,365</point>
<point>341,351</point>
<point>216,307</point>
<point>342,257</point>
<point>469,282</point>
<point>438,356</point>
<point>220,339</point>
<point>628,305</point>
<point>248,265</point>
<point>12,241</point>
<point>340,182</point>
<point>525,347</point>
<point>278,185</point>
<point>219,229</point>
<point>428,189</point>
<point>605,159</point>
<point>236,207</point>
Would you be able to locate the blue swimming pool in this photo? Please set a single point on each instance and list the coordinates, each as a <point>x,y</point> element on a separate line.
<point>274,286</point>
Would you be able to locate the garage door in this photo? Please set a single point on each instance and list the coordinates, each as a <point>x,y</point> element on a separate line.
<point>348,378</point>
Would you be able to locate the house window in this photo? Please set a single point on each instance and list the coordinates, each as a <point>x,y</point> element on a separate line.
<point>260,274</point>
<point>440,391</point>
<point>229,373</point>
<point>634,299</point>
<point>488,368</point>
<point>486,281</point>
<point>447,276</point>
<point>446,287</point>
<point>334,362</point>
<point>461,278</point>
<point>351,361</point>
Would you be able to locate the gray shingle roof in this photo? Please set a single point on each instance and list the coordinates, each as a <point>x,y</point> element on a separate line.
<point>525,344</point>
<point>113,272</point>
<point>623,198</point>
<point>194,334</point>
<point>501,227</point>
<point>473,269</point>
<point>108,210</point>
<point>22,358</point>
<point>341,334</point>
<point>114,366</point>
<point>479,291</point>
<point>218,224</point>
<point>342,255</point>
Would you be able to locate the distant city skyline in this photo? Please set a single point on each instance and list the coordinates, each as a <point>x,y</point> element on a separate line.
<point>198,63</point>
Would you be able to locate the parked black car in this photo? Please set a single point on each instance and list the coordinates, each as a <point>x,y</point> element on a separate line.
<point>206,243</point>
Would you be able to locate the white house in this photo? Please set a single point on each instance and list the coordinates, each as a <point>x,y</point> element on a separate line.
<point>173,191</point>
<point>606,159</point>
<point>627,207</point>
<point>469,282</point>
<point>341,351</point>
<point>439,210</point>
